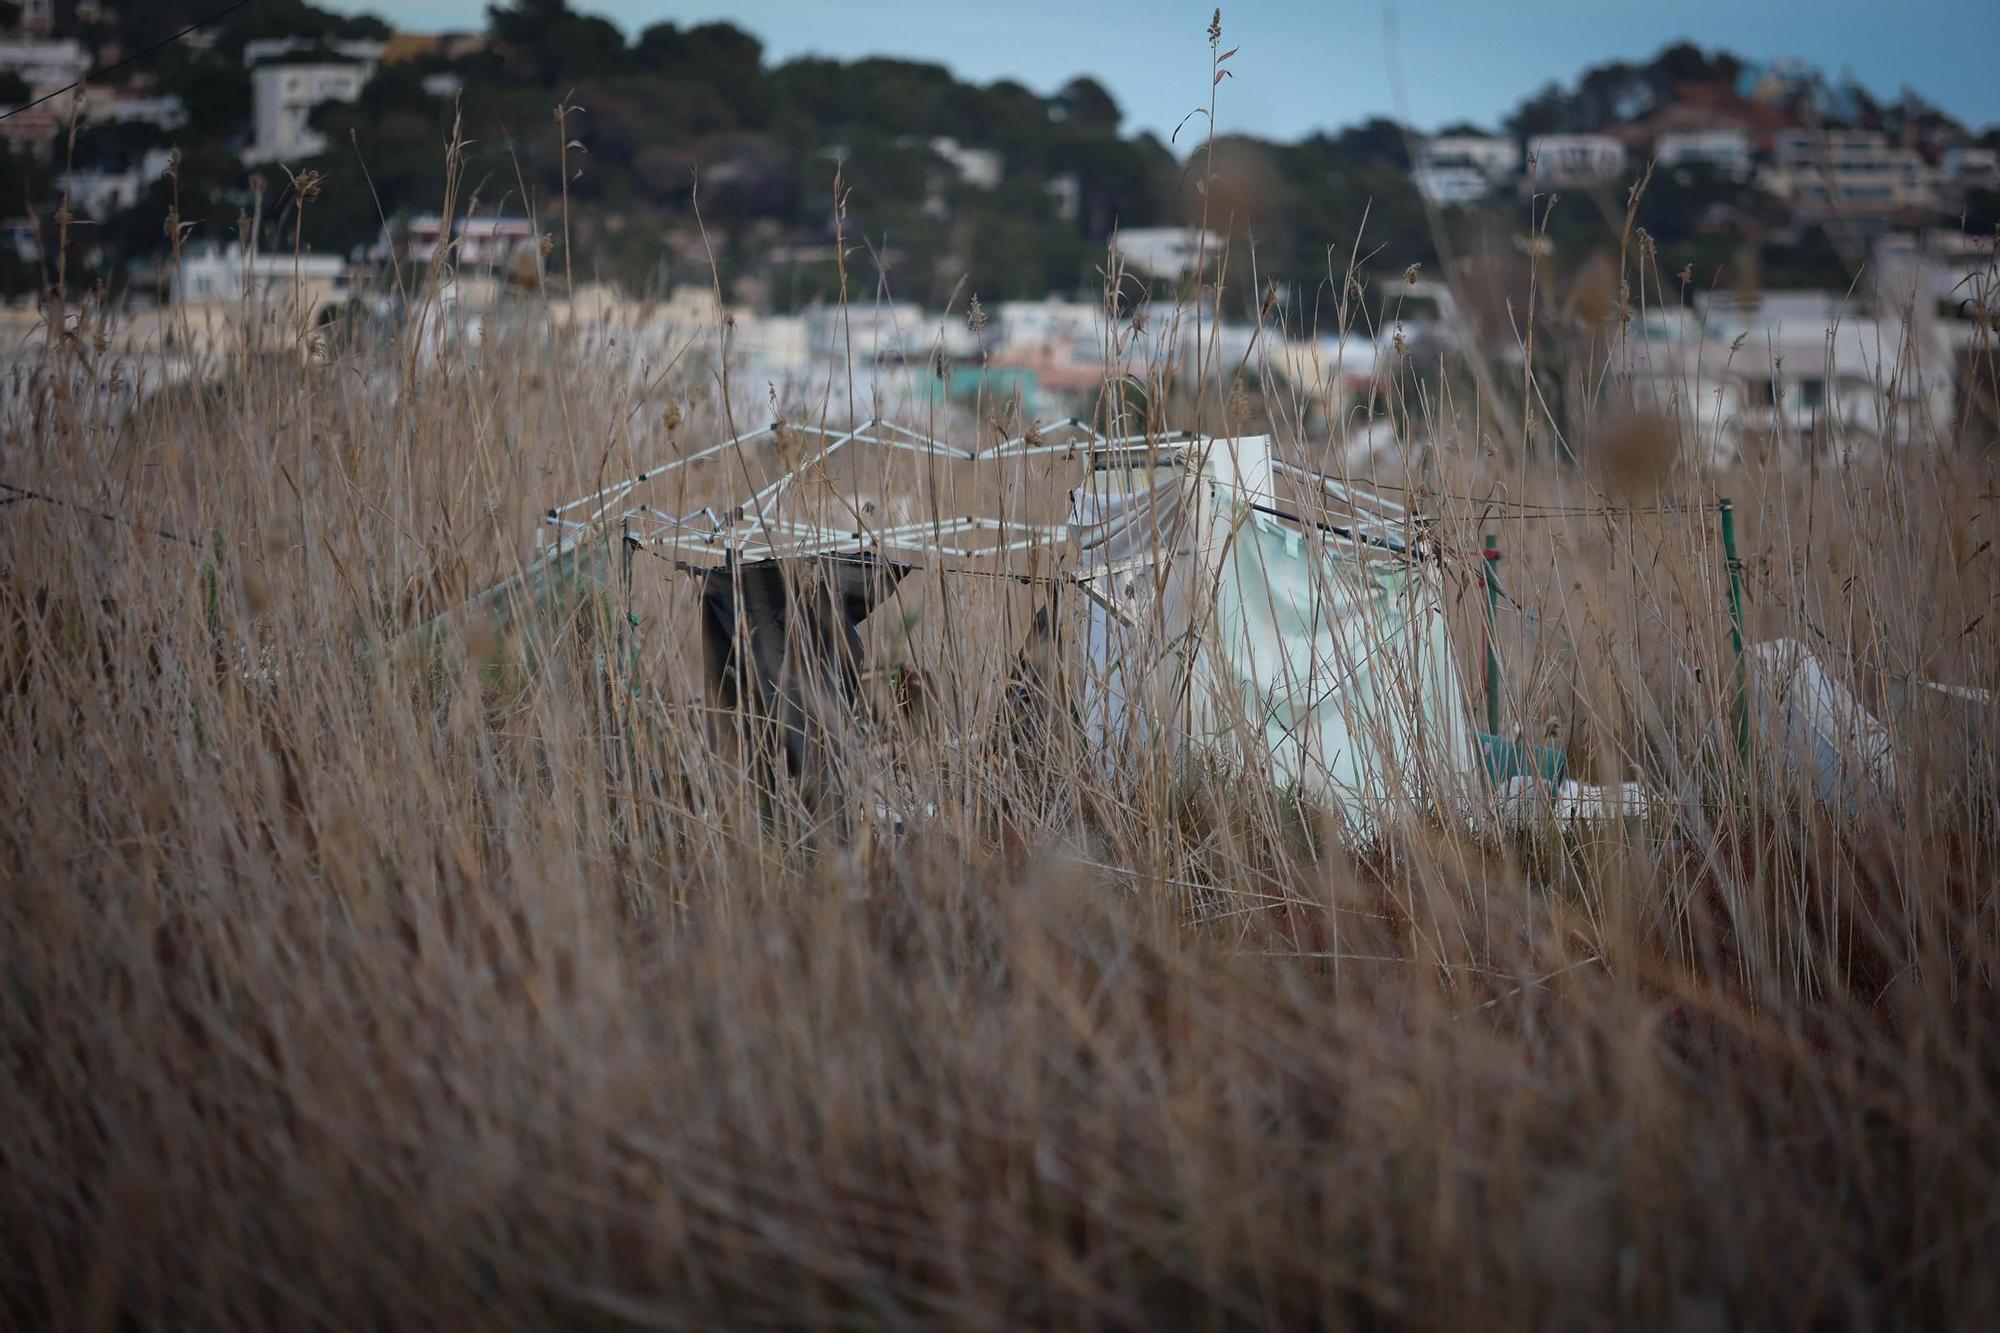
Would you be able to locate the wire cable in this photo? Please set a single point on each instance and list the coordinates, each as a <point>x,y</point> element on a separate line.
<point>23,493</point>
<point>902,566</point>
<point>1533,509</point>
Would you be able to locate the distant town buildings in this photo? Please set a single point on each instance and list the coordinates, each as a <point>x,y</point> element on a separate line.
<point>977,167</point>
<point>1067,193</point>
<point>33,128</point>
<point>1165,252</point>
<point>284,96</point>
<point>1028,325</point>
<point>1972,167</point>
<point>38,17</point>
<point>289,78</point>
<point>43,64</point>
<point>478,242</point>
<point>403,47</point>
<point>98,192</point>
<point>123,106</point>
<point>210,274</point>
<point>1727,150</point>
<point>1465,168</point>
<point>1818,152</point>
<point>1856,174</point>
<point>1576,159</point>
<point>361,51</point>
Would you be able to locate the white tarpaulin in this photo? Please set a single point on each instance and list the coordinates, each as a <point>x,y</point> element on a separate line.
<point>1811,723</point>
<point>1269,639</point>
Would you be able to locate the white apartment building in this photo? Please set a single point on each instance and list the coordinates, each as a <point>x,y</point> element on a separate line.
<point>104,106</point>
<point>1483,152</point>
<point>1464,168</point>
<point>209,274</point>
<point>39,16</point>
<point>1577,159</point>
<point>1971,167</point>
<point>1943,276</point>
<point>283,98</point>
<point>1855,174</point>
<point>484,241</point>
<point>977,167</point>
<point>360,50</point>
<point>98,193</point>
<point>1165,252</point>
<point>1726,150</point>
<point>1448,186</point>
<point>44,64</point>
<point>1025,325</point>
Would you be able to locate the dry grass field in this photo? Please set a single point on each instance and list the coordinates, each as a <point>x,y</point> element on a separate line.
<point>355,977</point>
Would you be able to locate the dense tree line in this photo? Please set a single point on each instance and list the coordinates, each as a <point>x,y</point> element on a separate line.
<point>685,146</point>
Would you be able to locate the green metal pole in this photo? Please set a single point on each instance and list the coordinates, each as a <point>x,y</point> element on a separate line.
<point>1492,654</point>
<point>628,633</point>
<point>1735,567</point>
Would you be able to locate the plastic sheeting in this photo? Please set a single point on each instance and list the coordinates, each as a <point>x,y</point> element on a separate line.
<point>1339,668</point>
<point>1531,802</point>
<point>1268,642</point>
<point>1814,726</point>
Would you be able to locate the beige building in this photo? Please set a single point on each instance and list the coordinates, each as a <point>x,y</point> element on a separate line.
<point>1853,174</point>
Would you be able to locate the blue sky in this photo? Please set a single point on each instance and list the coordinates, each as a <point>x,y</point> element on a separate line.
<point>1308,64</point>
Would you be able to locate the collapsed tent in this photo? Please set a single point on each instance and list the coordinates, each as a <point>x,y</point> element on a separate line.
<point>1236,607</point>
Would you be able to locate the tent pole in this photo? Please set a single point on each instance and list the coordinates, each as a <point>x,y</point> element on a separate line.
<point>1492,554</point>
<point>1735,567</point>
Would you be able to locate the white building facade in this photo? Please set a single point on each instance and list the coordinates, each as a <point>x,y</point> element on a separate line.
<point>283,98</point>
<point>1465,168</point>
<point>105,108</point>
<point>359,50</point>
<point>1727,150</point>
<point>1577,159</point>
<point>98,193</point>
<point>1166,252</point>
<point>210,274</point>
<point>44,65</point>
<point>1857,174</point>
<point>1972,167</point>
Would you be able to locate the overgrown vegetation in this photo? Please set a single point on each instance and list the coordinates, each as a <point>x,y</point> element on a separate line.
<point>345,980</point>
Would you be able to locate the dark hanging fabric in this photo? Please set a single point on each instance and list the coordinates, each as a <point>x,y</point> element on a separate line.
<point>782,645</point>
<point>1034,684</point>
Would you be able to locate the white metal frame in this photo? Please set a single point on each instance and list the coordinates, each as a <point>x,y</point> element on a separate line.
<point>749,531</point>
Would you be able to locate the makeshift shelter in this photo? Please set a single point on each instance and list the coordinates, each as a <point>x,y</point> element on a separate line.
<point>1272,618</point>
